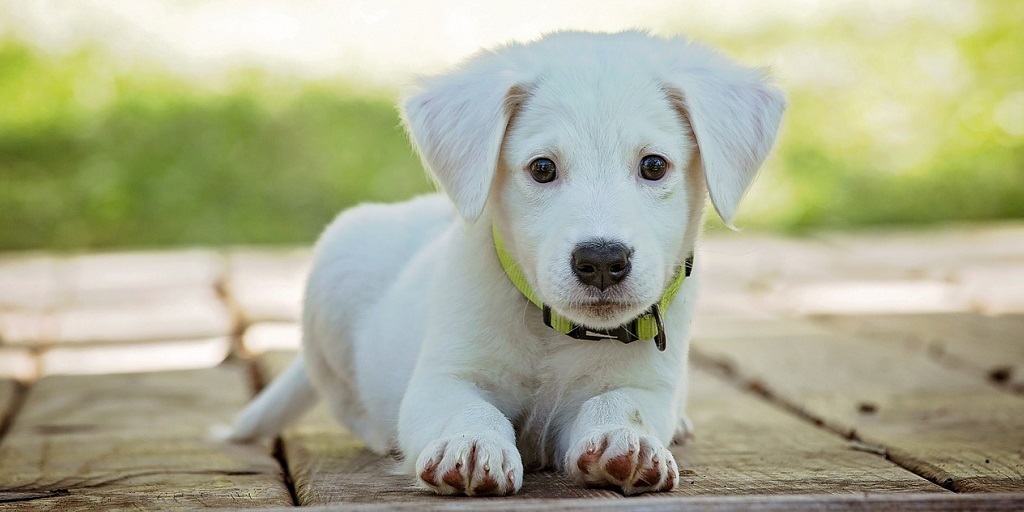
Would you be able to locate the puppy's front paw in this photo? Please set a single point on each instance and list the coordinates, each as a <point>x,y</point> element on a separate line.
<point>623,458</point>
<point>474,465</point>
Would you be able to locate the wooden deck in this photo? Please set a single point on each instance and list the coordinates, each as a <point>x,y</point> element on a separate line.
<point>842,371</point>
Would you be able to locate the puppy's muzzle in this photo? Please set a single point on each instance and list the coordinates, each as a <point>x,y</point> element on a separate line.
<point>601,263</point>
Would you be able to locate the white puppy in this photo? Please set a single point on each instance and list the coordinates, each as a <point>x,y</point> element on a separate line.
<point>583,161</point>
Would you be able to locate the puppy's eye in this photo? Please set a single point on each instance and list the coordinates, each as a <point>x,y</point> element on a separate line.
<point>543,170</point>
<point>653,167</point>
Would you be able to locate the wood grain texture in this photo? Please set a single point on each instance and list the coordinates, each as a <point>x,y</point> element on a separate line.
<point>111,298</point>
<point>995,502</point>
<point>160,355</point>
<point>328,464</point>
<point>946,425</point>
<point>990,347</point>
<point>8,393</point>
<point>743,446</point>
<point>129,442</point>
<point>708,327</point>
<point>180,313</point>
<point>267,285</point>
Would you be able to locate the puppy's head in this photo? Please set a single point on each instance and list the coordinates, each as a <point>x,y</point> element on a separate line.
<point>592,155</point>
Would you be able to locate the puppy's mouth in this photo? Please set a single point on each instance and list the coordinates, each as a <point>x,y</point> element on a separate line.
<point>604,312</point>
<point>604,307</point>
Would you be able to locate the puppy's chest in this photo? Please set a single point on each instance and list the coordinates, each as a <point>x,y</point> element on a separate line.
<point>557,387</point>
<point>548,410</point>
<point>541,380</point>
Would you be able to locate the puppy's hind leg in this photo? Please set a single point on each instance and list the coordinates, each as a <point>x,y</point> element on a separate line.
<point>286,399</point>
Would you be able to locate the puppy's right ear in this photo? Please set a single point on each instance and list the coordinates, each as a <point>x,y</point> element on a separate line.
<point>457,122</point>
<point>734,113</point>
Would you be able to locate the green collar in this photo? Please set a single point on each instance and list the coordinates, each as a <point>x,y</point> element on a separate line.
<point>644,327</point>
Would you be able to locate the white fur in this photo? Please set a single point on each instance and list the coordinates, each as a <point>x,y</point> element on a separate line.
<point>421,344</point>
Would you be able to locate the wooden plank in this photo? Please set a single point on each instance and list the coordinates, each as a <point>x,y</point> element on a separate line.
<point>130,442</point>
<point>182,313</point>
<point>18,363</point>
<point>330,465</point>
<point>996,288</point>
<point>28,281</point>
<point>760,503</point>
<point>125,277</point>
<point>709,327</point>
<point>936,251</point>
<point>134,357</point>
<point>267,336</point>
<point>742,268</point>
<point>8,395</point>
<point>267,285</point>
<point>743,446</point>
<point>990,347</point>
<point>755,260</point>
<point>112,298</point>
<point>868,296</point>
<point>945,425</point>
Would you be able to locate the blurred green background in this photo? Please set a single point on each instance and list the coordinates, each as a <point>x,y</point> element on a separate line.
<point>895,121</point>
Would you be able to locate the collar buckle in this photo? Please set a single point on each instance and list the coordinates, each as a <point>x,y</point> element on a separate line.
<point>625,333</point>
<point>659,339</point>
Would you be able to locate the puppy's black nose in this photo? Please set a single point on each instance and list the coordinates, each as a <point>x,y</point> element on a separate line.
<point>601,263</point>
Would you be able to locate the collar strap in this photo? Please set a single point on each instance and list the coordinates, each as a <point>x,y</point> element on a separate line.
<point>648,325</point>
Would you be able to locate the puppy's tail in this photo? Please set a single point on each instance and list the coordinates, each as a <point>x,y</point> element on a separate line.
<point>286,399</point>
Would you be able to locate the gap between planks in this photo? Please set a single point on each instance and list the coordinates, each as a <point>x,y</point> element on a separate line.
<point>134,441</point>
<point>257,381</point>
<point>758,388</point>
<point>805,384</point>
<point>12,397</point>
<point>987,347</point>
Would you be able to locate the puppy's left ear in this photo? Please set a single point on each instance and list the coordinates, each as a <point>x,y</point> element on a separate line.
<point>734,114</point>
<point>457,122</point>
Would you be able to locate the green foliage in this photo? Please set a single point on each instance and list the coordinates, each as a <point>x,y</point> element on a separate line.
<point>913,120</point>
<point>95,161</point>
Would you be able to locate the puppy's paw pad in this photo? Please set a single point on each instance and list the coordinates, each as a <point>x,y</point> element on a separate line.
<point>474,465</point>
<point>621,468</point>
<point>625,459</point>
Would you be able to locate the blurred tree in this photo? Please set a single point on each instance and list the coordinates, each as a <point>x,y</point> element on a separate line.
<point>91,160</point>
<point>897,116</point>
<point>911,120</point>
